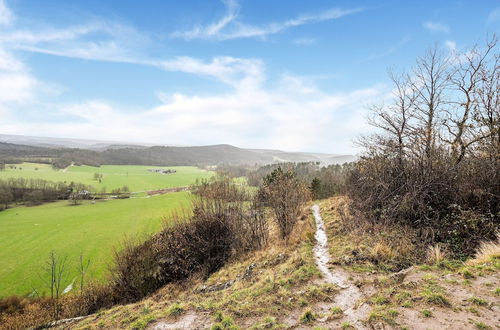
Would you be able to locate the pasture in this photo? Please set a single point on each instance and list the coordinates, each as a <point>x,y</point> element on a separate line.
<point>28,235</point>
<point>136,177</point>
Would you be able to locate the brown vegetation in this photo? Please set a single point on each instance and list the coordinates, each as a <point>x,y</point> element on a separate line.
<point>286,195</point>
<point>435,165</point>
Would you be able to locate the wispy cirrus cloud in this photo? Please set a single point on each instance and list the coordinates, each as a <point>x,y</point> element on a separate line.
<point>436,27</point>
<point>95,40</point>
<point>235,72</point>
<point>392,49</point>
<point>229,27</point>
<point>6,15</point>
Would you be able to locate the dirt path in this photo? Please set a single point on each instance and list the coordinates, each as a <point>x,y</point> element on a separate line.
<point>349,295</point>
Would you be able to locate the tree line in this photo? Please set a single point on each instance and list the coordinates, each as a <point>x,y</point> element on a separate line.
<point>36,191</point>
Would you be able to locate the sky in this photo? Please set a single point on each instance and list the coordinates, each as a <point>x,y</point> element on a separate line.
<point>292,75</point>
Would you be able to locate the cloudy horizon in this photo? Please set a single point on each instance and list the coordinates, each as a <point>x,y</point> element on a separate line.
<point>253,74</point>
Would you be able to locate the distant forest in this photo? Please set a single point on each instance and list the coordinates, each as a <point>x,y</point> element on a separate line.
<point>160,156</point>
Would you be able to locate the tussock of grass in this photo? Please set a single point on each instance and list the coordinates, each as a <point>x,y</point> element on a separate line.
<point>478,301</point>
<point>143,322</point>
<point>433,294</point>
<point>380,300</point>
<point>175,310</point>
<point>308,317</point>
<point>383,315</point>
<point>466,273</point>
<point>267,322</point>
<point>336,310</point>
<point>347,325</point>
<point>226,323</point>
<point>487,252</point>
<point>435,254</point>
<point>426,313</point>
<point>482,326</point>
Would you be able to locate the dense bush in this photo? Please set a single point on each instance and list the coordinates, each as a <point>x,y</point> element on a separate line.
<point>220,227</point>
<point>323,181</point>
<point>435,165</point>
<point>286,195</point>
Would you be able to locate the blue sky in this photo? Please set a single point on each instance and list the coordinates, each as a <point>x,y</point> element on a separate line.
<point>292,75</point>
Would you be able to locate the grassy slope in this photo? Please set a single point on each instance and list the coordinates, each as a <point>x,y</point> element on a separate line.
<point>136,177</point>
<point>275,283</point>
<point>28,234</point>
<point>284,284</point>
<point>425,296</point>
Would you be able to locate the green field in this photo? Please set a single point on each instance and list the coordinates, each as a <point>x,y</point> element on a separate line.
<point>28,234</point>
<point>136,177</point>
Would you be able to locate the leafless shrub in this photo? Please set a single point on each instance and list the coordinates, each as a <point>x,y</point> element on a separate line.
<point>286,195</point>
<point>54,278</point>
<point>435,163</point>
<point>222,225</point>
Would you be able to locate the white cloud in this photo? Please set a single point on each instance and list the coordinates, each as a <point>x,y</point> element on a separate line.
<point>6,16</point>
<point>16,83</point>
<point>236,72</point>
<point>96,40</point>
<point>213,29</point>
<point>451,45</point>
<point>228,27</point>
<point>493,16</point>
<point>437,27</point>
<point>292,115</point>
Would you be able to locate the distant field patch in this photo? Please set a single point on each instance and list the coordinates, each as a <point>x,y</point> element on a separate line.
<point>136,177</point>
<point>28,234</point>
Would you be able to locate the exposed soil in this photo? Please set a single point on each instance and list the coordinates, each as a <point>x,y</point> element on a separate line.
<point>350,296</point>
<point>190,320</point>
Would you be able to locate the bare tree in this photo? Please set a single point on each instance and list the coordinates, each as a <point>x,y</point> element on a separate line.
<point>487,112</point>
<point>395,119</point>
<point>55,270</point>
<point>430,81</point>
<point>82,270</point>
<point>471,80</point>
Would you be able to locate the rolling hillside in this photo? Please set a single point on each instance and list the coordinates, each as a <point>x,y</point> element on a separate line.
<point>102,153</point>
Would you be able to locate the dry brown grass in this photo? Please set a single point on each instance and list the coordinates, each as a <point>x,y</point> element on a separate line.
<point>357,241</point>
<point>487,252</point>
<point>435,254</point>
<point>279,282</point>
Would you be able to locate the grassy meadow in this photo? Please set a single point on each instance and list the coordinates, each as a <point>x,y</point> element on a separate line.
<point>136,177</point>
<point>29,234</point>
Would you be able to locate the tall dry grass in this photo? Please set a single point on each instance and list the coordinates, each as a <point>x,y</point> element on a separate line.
<point>487,252</point>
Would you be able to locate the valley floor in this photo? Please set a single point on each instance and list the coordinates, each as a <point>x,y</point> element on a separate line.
<point>286,286</point>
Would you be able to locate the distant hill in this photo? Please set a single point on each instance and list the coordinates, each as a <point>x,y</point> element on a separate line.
<point>63,152</point>
<point>66,142</point>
